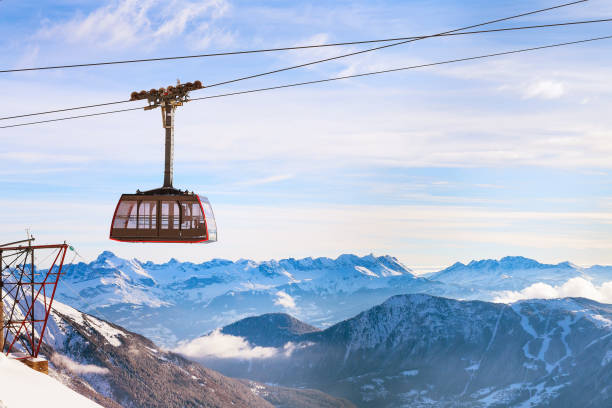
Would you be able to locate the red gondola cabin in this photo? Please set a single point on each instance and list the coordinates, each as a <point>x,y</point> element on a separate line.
<point>182,217</point>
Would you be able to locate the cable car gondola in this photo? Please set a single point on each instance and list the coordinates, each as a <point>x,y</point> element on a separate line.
<point>165,214</point>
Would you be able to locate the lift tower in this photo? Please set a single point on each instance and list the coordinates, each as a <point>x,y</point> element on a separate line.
<point>27,290</point>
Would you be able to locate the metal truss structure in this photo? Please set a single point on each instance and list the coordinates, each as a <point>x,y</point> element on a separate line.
<point>27,290</point>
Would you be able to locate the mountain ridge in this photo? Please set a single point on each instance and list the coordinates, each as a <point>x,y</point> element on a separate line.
<point>504,263</point>
<point>399,353</point>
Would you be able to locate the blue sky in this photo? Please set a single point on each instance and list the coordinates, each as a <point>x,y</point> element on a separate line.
<point>473,160</point>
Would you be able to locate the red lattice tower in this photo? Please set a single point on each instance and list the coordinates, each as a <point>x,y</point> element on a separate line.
<point>27,291</point>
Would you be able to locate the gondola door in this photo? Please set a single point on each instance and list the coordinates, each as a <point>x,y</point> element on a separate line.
<point>147,219</point>
<point>170,220</point>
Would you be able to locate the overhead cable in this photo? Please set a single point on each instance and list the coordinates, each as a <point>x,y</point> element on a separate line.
<point>403,68</point>
<point>302,47</point>
<point>302,65</point>
<point>72,117</point>
<point>276,71</point>
<point>332,79</point>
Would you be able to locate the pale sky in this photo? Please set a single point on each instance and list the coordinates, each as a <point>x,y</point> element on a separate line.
<point>481,159</point>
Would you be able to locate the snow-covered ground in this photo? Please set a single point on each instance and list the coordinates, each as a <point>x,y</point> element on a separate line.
<point>22,387</point>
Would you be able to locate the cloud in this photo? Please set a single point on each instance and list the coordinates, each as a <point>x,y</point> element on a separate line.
<point>284,300</point>
<point>124,24</point>
<point>39,157</point>
<point>225,346</point>
<point>575,287</point>
<point>219,345</point>
<point>320,127</point>
<point>330,230</point>
<point>289,348</point>
<point>545,90</point>
<point>267,180</point>
<point>66,363</point>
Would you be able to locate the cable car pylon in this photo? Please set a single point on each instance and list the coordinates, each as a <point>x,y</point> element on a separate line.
<point>27,291</point>
<point>165,214</point>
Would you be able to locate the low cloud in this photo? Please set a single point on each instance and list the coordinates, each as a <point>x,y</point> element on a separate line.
<point>226,346</point>
<point>66,363</point>
<point>290,347</point>
<point>575,287</point>
<point>285,300</point>
<point>220,345</point>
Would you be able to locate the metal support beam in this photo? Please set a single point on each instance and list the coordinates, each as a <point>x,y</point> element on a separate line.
<point>168,99</point>
<point>29,240</point>
<point>32,297</point>
<point>168,121</point>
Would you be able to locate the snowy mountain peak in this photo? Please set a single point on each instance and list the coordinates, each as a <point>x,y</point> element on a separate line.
<point>348,259</point>
<point>505,264</point>
<point>513,274</point>
<point>109,260</point>
<point>568,264</point>
<point>106,256</point>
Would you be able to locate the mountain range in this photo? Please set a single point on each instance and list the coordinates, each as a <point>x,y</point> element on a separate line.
<point>177,301</point>
<point>338,333</point>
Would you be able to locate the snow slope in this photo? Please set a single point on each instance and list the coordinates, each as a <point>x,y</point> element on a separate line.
<point>22,387</point>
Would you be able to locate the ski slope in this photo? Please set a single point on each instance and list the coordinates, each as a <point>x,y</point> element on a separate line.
<point>22,387</point>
